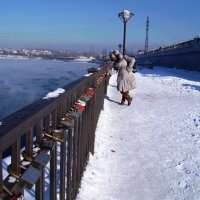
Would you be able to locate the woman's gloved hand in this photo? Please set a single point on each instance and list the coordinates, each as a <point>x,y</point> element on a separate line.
<point>134,70</point>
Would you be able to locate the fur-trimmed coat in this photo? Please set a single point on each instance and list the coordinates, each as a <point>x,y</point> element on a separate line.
<point>125,78</point>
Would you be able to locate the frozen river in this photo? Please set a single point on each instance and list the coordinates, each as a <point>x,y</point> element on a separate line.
<point>23,81</point>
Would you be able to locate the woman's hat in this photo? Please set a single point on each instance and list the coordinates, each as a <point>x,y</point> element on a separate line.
<point>116,52</point>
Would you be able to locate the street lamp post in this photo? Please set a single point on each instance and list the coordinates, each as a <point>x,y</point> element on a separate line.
<point>125,15</point>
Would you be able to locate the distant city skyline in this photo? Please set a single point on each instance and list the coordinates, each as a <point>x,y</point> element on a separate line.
<point>93,25</point>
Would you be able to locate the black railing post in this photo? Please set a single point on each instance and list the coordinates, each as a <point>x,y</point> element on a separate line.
<point>39,132</point>
<point>29,143</point>
<point>39,188</point>
<point>53,171</point>
<point>63,166</point>
<point>15,159</point>
<point>75,145</point>
<point>1,175</point>
<point>79,148</point>
<point>69,164</point>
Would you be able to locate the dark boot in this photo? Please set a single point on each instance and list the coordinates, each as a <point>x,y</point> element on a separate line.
<point>123,101</point>
<point>129,99</point>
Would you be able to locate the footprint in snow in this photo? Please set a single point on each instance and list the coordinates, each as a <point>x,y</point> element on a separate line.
<point>186,170</point>
<point>183,184</point>
<point>197,122</point>
<point>193,134</point>
<point>180,168</point>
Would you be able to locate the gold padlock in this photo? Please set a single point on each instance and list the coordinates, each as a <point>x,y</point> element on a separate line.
<point>53,137</point>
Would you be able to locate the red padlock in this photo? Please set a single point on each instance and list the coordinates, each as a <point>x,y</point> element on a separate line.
<point>90,91</point>
<point>80,107</point>
<point>101,78</point>
<point>17,197</point>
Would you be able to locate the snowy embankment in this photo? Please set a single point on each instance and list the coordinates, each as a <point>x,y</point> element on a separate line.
<point>151,149</point>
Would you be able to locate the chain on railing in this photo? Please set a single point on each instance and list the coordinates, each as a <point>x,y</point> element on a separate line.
<point>57,132</point>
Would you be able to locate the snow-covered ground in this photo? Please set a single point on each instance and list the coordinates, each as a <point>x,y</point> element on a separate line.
<point>151,149</point>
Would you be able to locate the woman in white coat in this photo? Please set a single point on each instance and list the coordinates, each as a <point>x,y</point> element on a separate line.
<point>125,79</point>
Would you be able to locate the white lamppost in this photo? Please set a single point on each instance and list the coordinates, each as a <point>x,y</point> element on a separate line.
<point>125,15</point>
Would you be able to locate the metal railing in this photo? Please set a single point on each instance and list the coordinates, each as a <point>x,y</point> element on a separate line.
<point>57,132</point>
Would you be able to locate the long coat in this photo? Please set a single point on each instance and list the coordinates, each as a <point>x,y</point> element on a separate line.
<point>125,78</point>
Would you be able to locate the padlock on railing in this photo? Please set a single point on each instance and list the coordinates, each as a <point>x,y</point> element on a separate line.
<point>6,193</point>
<point>30,176</point>
<point>12,189</point>
<point>30,172</point>
<point>42,159</point>
<point>66,124</point>
<point>22,168</point>
<point>75,114</point>
<point>27,157</point>
<point>80,106</point>
<point>100,79</point>
<point>56,134</point>
<point>13,173</point>
<point>33,173</point>
<point>17,197</point>
<point>14,197</point>
<point>68,118</point>
<point>90,92</point>
<point>25,164</point>
<point>47,144</point>
<point>77,109</point>
<point>84,98</point>
<point>83,103</point>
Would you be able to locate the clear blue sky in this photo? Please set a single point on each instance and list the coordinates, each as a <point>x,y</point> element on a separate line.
<point>94,24</point>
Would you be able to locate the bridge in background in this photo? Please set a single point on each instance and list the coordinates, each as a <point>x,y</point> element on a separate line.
<point>185,55</point>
